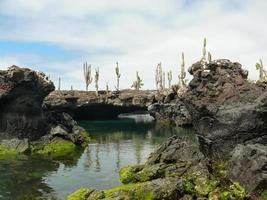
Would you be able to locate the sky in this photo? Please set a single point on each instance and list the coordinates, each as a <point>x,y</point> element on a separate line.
<point>57,37</point>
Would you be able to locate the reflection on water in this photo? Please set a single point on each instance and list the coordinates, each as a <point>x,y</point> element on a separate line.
<point>114,143</point>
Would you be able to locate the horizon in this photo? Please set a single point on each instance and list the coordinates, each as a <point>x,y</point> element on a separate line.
<point>58,37</point>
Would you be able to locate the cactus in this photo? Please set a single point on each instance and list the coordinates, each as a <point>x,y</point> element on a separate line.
<point>138,83</point>
<point>204,50</point>
<point>71,88</point>
<point>87,75</point>
<point>209,57</point>
<point>159,77</point>
<point>107,89</point>
<point>59,83</point>
<point>96,80</point>
<point>182,75</point>
<point>117,69</point>
<point>169,75</point>
<point>163,80</point>
<point>262,72</point>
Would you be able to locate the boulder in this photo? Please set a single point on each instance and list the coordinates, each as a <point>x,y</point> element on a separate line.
<point>248,166</point>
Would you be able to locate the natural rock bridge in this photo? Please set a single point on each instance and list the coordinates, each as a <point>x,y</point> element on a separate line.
<point>86,105</point>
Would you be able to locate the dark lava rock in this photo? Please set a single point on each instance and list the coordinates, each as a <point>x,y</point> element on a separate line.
<point>248,166</point>
<point>226,109</point>
<point>22,92</point>
<point>24,119</point>
<point>174,113</point>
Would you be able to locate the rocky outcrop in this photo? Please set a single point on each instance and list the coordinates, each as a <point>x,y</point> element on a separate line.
<point>86,105</point>
<point>226,109</point>
<point>22,92</point>
<point>248,166</point>
<point>25,122</point>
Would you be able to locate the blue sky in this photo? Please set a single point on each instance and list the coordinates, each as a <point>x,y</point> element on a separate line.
<point>58,36</point>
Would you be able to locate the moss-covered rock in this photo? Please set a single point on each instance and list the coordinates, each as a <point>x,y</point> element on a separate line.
<point>80,194</point>
<point>7,152</point>
<point>56,148</point>
<point>128,173</point>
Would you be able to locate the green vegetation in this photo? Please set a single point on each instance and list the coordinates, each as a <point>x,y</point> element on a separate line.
<point>96,80</point>
<point>262,72</point>
<point>7,152</point>
<point>118,75</point>
<point>55,148</point>
<point>87,75</point>
<point>80,194</point>
<point>138,83</point>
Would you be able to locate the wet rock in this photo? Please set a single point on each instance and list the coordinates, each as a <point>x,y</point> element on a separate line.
<point>20,146</point>
<point>248,166</point>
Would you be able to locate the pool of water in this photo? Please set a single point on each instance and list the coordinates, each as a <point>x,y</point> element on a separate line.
<point>114,143</point>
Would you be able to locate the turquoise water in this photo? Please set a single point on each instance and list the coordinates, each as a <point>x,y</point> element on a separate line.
<point>115,143</point>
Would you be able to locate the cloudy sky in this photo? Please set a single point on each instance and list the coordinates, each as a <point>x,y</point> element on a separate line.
<point>57,36</point>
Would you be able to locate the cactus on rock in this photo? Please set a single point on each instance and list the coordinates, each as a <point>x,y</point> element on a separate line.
<point>159,78</point>
<point>59,83</point>
<point>118,75</point>
<point>262,72</point>
<point>169,75</point>
<point>138,83</point>
<point>96,80</point>
<point>181,77</point>
<point>87,75</point>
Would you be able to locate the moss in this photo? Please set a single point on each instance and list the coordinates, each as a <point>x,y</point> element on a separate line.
<point>128,173</point>
<point>80,194</point>
<point>263,195</point>
<point>132,191</point>
<point>56,148</point>
<point>7,152</point>
<point>86,138</point>
<point>189,185</point>
<point>237,191</point>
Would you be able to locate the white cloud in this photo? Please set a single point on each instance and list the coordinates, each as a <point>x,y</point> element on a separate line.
<point>139,34</point>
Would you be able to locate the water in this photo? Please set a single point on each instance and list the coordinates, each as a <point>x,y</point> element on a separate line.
<point>115,143</point>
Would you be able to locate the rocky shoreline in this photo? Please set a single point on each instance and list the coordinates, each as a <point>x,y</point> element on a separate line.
<point>229,161</point>
<point>228,112</point>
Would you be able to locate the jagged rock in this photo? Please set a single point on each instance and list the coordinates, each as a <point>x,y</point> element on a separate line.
<point>226,109</point>
<point>21,97</point>
<point>174,113</point>
<point>248,166</point>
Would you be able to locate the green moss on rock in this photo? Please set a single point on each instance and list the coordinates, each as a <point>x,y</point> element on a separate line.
<point>128,173</point>
<point>80,194</point>
<point>7,152</point>
<point>55,148</point>
<point>86,138</point>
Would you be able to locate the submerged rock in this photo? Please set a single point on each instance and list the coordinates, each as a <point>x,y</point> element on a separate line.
<point>26,126</point>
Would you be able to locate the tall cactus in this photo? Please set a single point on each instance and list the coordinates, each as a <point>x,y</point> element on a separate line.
<point>163,80</point>
<point>138,83</point>
<point>169,74</point>
<point>96,80</point>
<point>209,57</point>
<point>59,83</point>
<point>118,75</point>
<point>107,89</point>
<point>204,50</point>
<point>159,77</point>
<point>87,75</point>
<point>182,75</point>
<point>262,72</point>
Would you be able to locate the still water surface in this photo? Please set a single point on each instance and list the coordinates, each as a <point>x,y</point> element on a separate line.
<point>114,143</point>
